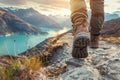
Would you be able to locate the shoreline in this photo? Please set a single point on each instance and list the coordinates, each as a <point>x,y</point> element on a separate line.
<point>6,35</point>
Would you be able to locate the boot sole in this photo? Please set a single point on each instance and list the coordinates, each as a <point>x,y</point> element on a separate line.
<point>80,48</point>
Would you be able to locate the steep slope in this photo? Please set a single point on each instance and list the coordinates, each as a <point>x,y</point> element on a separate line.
<point>34,17</point>
<point>10,23</point>
<point>101,64</point>
<point>111,28</point>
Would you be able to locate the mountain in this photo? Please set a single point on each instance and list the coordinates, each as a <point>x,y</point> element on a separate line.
<point>111,28</point>
<point>66,22</point>
<point>10,23</point>
<point>62,20</point>
<point>117,12</point>
<point>55,55</point>
<point>109,16</point>
<point>101,64</point>
<point>35,18</point>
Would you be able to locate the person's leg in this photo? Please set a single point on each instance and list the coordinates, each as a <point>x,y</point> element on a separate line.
<point>96,23</point>
<point>79,19</point>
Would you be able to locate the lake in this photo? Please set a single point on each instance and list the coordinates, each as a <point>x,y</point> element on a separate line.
<point>17,43</point>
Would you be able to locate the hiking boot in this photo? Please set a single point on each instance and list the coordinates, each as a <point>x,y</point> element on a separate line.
<point>81,36</point>
<point>94,42</point>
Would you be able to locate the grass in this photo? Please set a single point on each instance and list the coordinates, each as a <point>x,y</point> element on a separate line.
<point>21,69</point>
<point>51,48</point>
<point>112,39</point>
<point>54,44</point>
<point>27,68</point>
<point>55,72</point>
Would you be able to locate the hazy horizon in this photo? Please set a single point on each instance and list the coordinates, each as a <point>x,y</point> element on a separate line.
<point>55,7</point>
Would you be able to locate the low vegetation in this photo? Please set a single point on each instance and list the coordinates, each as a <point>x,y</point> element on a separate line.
<point>28,67</point>
<point>21,69</point>
<point>113,39</point>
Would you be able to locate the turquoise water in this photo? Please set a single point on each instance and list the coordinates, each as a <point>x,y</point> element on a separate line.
<point>14,44</point>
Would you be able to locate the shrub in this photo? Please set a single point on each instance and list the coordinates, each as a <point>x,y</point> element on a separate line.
<point>21,69</point>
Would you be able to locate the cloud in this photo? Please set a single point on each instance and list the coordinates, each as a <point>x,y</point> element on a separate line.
<point>13,2</point>
<point>118,8</point>
<point>52,3</point>
<point>118,1</point>
<point>43,6</point>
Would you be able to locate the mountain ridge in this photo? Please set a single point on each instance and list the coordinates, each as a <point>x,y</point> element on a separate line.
<point>111,28</point>
<point>105,33</point>
<point>35,18</point>
<point>55,53</point>
<point>66,22</point>
<point>10,23</point>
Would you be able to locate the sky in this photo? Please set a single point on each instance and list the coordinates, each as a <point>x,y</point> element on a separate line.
<point>55,7</point>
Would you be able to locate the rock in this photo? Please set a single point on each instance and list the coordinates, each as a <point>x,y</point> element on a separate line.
<point>101,64</point>
<point>106,78</point>
<point>10,24</point>
<point>111,28</point>
<point>70,67</point>
<point>75,62</point>
<point>99,60</point>
<point>111,69</point>
<point>81,73</point>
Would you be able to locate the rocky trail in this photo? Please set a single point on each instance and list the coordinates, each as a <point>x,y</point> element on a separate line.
<point>101,64</point>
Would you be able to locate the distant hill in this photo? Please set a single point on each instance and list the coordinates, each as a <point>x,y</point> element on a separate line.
<point>10,23</point>
<point>66,22</point>
<point>117,12</point>
<point>35,18</point>
<point>111,28</point>
<point>109,16</point>
<point>62,20</point>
